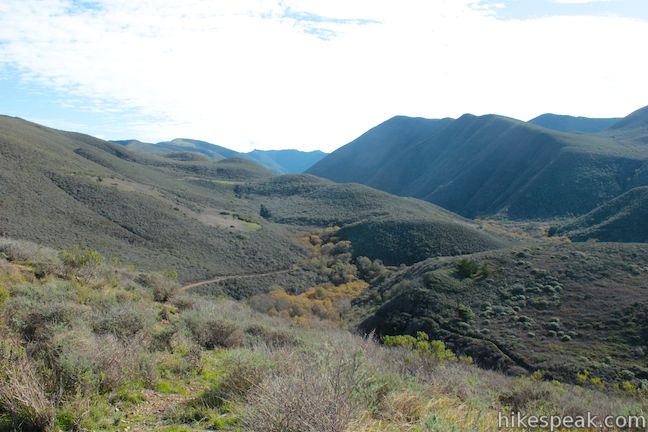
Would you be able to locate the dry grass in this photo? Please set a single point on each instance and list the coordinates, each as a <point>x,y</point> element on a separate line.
<point>22,393</point>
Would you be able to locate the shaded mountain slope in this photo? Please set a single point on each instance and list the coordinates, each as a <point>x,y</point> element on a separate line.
<point>559,308</point>
<point>566,123</point>
<point>623,219</point>
<point>490,164</point>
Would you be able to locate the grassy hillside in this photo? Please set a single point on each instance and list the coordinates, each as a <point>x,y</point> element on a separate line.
<point>491,164</point>
<point>566,123</point>
<point>210,150</point>
<point>382,226</point>
<point>202,218</point>
<point>91,345</point>
<point>622,219</point>
<point>286,161</point>
<point>561,309</point>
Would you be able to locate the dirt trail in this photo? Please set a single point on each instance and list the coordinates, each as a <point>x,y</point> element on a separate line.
<point>239,276</point>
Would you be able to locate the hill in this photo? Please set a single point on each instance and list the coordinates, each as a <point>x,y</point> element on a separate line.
<point>277,161</point>
<point>210,150</point>
<point>286,161</point>
<point>566,123</point>
<point>77,331</point>
<point>560,308</point>
<point>638,119</point>
<point>623,219</point>
<point>491,164</point>
<point>198,217</point>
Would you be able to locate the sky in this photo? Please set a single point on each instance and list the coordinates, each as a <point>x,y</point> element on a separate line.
<point>313,74</point>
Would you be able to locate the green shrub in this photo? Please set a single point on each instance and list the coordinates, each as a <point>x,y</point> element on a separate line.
<point>163,287</point>
<point>124,321</point>
<point>421,344</point>
<point>467,268</point>
<point>211,332</point>
<point>77,258</point>
<point>4,296</point>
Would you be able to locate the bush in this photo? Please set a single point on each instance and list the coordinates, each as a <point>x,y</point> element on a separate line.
<point>4,296</point>
<point>211,332</point>
<point>244,373</point>
<point>22,394</point>
<point>308,397</point>
<point>124,321</point>
<point>271,338</point>
<point>19,250</point>
<point>164,288</point>
<point>421,344</point>
<point>467,268</point>
<point>87,362</point>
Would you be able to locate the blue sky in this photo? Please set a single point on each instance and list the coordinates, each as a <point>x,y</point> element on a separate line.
<point>312,74</point>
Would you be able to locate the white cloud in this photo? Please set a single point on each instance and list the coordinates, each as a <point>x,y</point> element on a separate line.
<point>579,1</point>
<point>244,73</point>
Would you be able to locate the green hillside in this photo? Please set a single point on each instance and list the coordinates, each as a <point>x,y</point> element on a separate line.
<point>557,308</point>
<point>566,123</point>
<point>199,217</point>
<point>623,219</point>
<point>490,164</point>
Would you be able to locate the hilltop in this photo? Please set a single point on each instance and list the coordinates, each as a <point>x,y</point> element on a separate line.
<point>277,161</point>
<point>491,165</point>
<point>566,123</point>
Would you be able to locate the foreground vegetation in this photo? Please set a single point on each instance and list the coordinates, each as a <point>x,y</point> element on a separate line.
<point>92,345</point>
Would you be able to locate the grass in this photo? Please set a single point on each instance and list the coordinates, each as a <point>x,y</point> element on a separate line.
<point>69,373</point>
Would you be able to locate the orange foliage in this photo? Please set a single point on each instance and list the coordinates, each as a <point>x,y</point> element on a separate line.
<point>325,302</point>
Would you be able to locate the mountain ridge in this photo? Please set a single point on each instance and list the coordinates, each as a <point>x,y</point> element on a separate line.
<point>487,165</point>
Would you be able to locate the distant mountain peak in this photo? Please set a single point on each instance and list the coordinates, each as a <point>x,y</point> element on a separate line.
<point>635,120</point>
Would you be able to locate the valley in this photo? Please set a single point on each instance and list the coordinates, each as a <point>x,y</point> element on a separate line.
<point>512,274</point>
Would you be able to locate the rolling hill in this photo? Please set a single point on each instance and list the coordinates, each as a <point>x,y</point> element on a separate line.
<point>199,217</point>
<point>277,161</point>
<point>558,308</point>
<point>494,165</point>
<point>623,219</point>
<point>566,123</point>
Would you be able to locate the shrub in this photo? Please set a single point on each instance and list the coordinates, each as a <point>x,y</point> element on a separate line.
<point>243,374</point>
<point>19,250</point>
<point>22,393</point>
<point>467,268</point>
<point>164,288</point>
<point>4,296</point>
<point>369,270</point>
<point>314,396</point>
<point>123,321</point>
<point>421,344</point>
<point>86,361</point>
<point>211,332</point>
<point>465,313</point>
<point>271,338</point>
